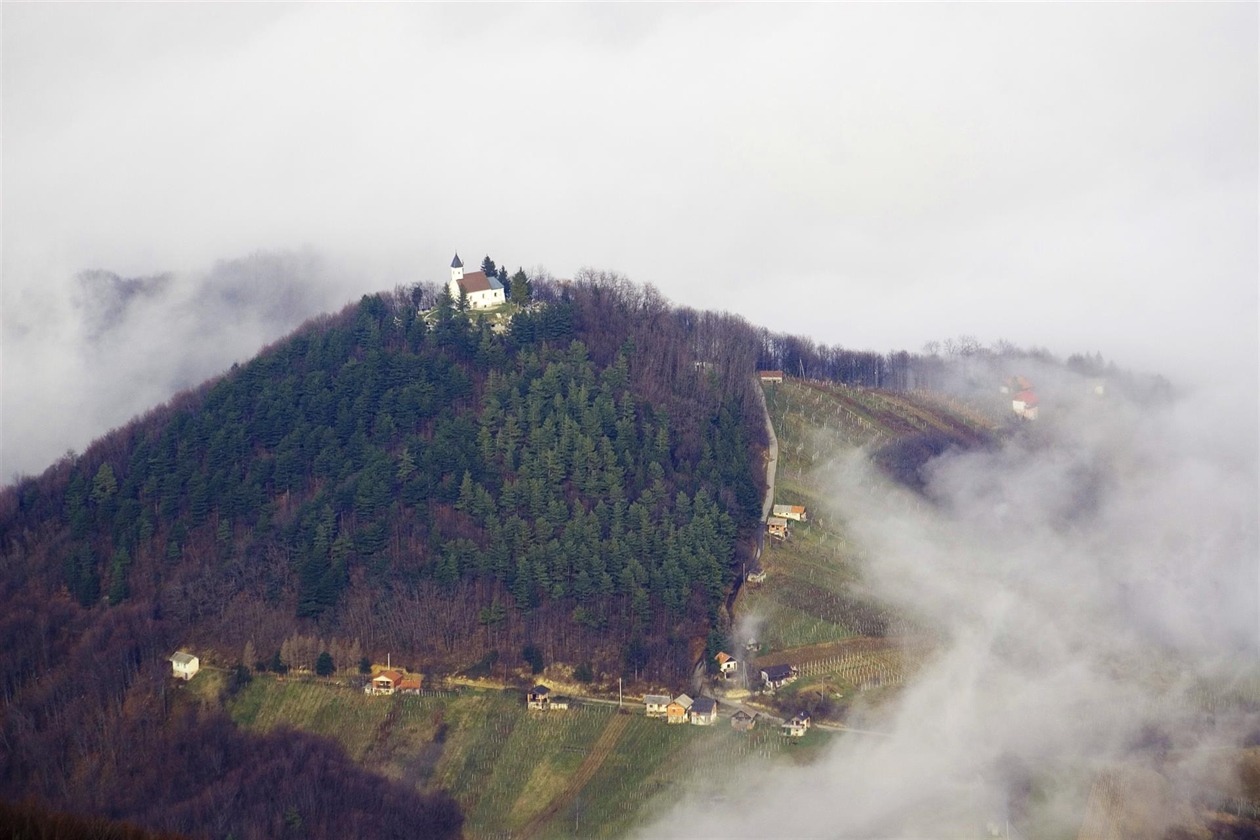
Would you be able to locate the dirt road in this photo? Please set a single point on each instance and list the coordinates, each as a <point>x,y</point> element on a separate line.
<point>594,759</point>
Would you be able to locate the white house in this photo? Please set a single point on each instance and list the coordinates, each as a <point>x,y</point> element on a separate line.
<point>1024,404</point>
<point>483,292</point>
<point>185,665</point>
<point>797,726</point>
<point>727,664</point>
<point>657,704</point>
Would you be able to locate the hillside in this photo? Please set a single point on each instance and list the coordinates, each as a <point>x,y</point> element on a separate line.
<point>431,485</point>
<point>567,487</point>
<point>811,610</point>
<point>377,472</point>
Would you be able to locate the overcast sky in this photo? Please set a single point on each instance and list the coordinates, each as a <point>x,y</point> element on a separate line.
<point>1081,176</point>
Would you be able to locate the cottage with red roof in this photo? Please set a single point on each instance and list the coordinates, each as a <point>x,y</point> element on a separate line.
<point>482,292</point>
<point>1024,404</point>
<point>384,683</point>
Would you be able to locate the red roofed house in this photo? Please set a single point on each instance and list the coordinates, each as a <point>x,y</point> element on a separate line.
<point>796,512</point>
<point>386,682</point>
<point>770,375</point>
<point>483,292</point>
<point>727,664</point>
<point>1024,404</point>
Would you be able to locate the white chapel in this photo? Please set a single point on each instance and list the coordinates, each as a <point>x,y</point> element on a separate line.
<point>483,292</point>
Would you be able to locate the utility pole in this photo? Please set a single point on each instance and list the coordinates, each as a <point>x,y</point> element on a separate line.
<point>619,694</point>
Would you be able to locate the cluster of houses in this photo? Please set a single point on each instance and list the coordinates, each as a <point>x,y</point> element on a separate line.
<point>777,523</point>
<point>701,711</point>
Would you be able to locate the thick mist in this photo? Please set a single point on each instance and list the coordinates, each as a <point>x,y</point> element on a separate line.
<point>86,356</point>
<point>1087,583</point>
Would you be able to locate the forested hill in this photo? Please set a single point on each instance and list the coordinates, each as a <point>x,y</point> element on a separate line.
<point>423,485</point>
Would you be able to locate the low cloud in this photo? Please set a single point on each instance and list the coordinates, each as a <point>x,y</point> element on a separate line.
<point>100,349</point>
<point>1086,584</point>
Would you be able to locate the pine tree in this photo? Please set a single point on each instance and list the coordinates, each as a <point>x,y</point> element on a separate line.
<point>520,288</point>
<point>105,485</point>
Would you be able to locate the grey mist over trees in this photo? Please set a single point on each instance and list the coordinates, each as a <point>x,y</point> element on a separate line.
<point>113,346</point>
<point>1092,585</point>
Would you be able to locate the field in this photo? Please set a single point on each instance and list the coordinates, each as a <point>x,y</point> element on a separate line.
<point>587,771</point>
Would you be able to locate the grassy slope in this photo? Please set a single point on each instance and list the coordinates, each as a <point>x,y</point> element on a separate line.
<point>505,765</point>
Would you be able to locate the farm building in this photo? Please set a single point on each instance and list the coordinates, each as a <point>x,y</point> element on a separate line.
<point>743,721</point>
<point>676,711</point>
<point>770,376</point>
<point>657,705</point>
<point>777,526</point>
<point>703,711</point>
<point>776,676</point>
<point>384,683</point>
<point>797,726</point>
<point>538,697</point>
<point>727,664</point>
<point>1024,404</point>
<point>185,665</point>
<point>757,575</point>
<point>482,292</point>
<point>409,685</point>
<point>796,512</point>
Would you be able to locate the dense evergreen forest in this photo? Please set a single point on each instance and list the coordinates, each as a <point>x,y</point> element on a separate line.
<point>569,489</point>
<point>377,473</point>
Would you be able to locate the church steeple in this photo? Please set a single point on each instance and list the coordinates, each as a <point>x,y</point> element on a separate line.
<point>457,269</point>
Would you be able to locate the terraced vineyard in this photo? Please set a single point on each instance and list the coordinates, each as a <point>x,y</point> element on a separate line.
<point>347,716</point>
<point>587,771</point>
<point>810,597</point>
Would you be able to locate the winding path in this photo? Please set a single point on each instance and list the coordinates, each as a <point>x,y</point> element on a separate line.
<point>772,462</point>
